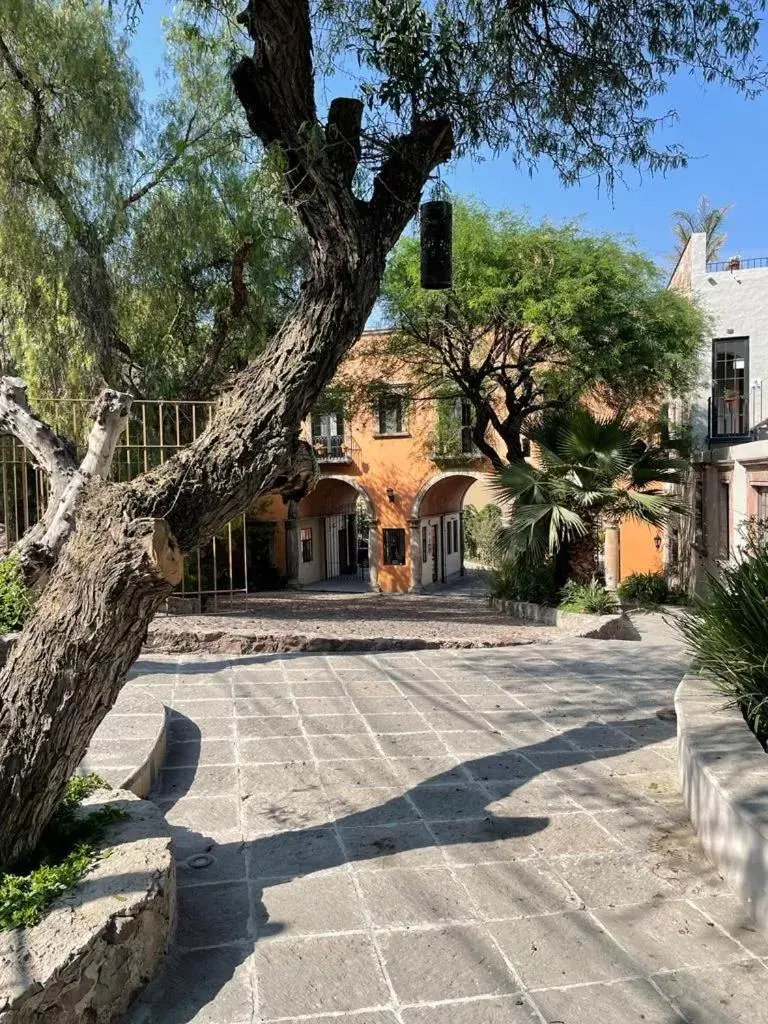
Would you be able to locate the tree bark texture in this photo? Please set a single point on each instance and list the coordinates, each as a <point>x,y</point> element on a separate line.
<point>126,553</point>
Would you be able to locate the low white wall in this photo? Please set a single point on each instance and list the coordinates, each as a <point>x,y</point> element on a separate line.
<point>723,772</point>
<point>600,627</point>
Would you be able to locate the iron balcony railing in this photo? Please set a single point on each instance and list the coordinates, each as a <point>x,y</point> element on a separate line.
<point>729,417</point>
<point>737,264</point>
<point>333,448</point>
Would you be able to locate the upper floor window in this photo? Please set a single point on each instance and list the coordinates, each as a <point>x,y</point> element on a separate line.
<point>730,377</point>
<point>391,413</point>
<point>328,438</point>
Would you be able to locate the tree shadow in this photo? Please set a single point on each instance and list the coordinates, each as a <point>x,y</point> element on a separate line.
<point>226,915</point>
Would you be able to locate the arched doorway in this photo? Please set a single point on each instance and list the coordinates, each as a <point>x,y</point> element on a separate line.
<point>335,536</point>
<point>437,535</point>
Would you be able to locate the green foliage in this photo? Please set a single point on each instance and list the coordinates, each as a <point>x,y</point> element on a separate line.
<point>14,599</point>
<point>590,598</point>
<point>481,533</point>
<point>727,634</point>
<point>66,853</point>
<point>156,230</point>
<point>521,579</point>
<point>538,315</point>
<point>650,589</point>
<point>570,81</point>
<point>591,470</point>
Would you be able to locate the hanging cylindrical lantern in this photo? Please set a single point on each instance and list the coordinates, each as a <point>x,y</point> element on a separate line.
<point>436,227</point>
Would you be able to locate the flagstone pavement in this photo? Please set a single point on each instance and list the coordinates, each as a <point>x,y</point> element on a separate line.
<point>443,837</point>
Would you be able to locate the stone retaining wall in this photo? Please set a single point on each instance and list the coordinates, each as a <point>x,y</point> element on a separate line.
<point>723,772</point>
<point>99,945</point>
<point>171,641</point>
<point>601,627</point>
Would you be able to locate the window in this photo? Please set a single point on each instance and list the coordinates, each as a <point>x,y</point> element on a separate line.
<point>730,407</point>
<point>449,536</point>
<point>467,427</point>
<point>394,547</point>
<point>306,544</point>
<point>724,521</point>
<point>391,413</point>
<point>424,547</point>
<point>328,433</point>
<point>455,534</point>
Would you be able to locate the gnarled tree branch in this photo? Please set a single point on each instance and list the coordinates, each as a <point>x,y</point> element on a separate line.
<point>38,549</point>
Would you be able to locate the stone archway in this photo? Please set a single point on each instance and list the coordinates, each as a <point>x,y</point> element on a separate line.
<point>320,503</point>
<point>441,494</point>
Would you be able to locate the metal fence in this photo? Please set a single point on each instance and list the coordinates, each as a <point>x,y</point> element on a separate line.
<point>219,574</point>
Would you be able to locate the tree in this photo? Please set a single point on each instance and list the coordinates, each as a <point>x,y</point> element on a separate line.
<point>147,250</point>
<point>591,473</point>
<point>519,76</point>
<point>538,314</point>
<point>706,218</point>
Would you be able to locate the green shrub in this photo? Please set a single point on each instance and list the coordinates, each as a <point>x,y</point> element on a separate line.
<point>523,580</point>
<point>66,852</point>
<point>481,533</point>
<point>650,589</point>
<point>587,597</point>
<point>14,599</point>
<point>646,588</point>
<point>728,634</point>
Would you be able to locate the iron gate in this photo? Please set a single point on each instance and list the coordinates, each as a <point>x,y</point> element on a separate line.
<point>345,538</point>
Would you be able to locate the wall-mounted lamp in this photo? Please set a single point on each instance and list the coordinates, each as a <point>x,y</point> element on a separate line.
<point>390,494</point>
<point>657,542</point>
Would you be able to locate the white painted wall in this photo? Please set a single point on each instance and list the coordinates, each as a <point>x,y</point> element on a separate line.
<point>737,302</point>
<point>312,572</point>
<point>452,560</point>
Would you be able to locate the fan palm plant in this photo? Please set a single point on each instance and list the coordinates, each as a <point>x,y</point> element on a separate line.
<point>591,473</point>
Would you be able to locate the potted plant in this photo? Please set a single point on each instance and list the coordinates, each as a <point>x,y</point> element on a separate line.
<point>321,448</point>
<point>731,398</point>
<point>734,263</point>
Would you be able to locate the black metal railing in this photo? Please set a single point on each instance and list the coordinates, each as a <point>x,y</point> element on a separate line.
<point>332,448</point>
<point>729,417</point>
<point>737,264</point>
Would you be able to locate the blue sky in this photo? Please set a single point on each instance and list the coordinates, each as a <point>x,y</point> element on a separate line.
<point>724,134</point>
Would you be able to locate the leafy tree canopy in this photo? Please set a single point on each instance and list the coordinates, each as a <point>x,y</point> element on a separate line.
<point>142,245</point>
<point>570,80</point>
<point>537,314</point>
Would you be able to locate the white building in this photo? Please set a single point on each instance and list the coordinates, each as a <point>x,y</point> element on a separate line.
<point>728,412</point>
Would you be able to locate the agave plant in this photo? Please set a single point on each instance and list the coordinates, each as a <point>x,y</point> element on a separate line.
<point>728,634</point>
<point>591,472</point>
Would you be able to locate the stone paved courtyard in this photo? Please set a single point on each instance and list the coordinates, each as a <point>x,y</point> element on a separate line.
<point>443,837</point>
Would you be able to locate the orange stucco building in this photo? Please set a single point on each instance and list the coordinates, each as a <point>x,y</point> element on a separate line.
<point>387,511</point>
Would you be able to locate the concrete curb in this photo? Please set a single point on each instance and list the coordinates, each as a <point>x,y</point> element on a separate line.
<point>724,778</point>
<point>139,754</point>
<point>596,627</point>
<point>96,947</point>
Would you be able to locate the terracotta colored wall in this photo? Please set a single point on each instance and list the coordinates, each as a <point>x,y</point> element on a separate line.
<point>405,464</point>
<point>637,549</point>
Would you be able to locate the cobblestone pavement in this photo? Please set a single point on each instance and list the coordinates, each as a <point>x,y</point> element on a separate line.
<point>441,615</point>
<point>448,837</point>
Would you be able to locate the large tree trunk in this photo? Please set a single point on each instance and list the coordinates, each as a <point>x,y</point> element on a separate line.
<point>125,556</point>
